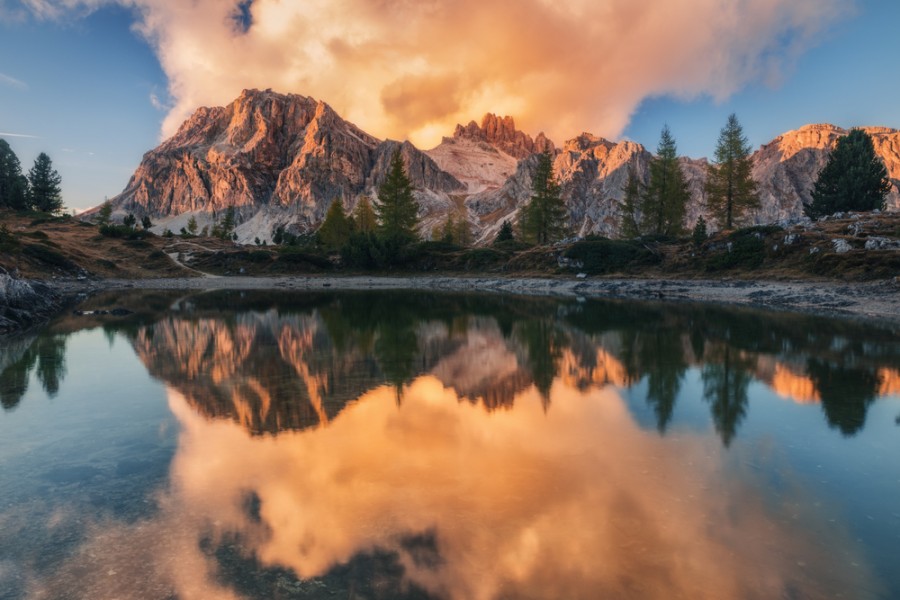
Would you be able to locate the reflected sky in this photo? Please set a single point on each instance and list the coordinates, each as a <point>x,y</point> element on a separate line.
<point>380,446</point>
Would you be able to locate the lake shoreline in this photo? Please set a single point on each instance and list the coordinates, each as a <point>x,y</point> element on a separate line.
<point>879,301</point>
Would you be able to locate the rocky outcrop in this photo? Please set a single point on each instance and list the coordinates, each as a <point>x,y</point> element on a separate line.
<point>786,168</point>
<point>501,133</point>
<point>24,304</point>
<point>280,160</point>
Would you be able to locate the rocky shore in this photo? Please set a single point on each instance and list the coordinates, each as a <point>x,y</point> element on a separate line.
<point>24,304</point>
<point>874,301</point>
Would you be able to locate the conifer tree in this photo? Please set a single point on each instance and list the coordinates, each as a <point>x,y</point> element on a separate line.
<point>629,225</point>
<point>544,217</point>
<point>192,225</point>
<point>13,184</point>
<point>854,178</point>
<point>447,233</point>
<point>664,200</point>
<point>730,188</point>
<point>104,214</point>
<point>397,208</point>
<point>146,223</point>
<point>364,219</point>
<point>335,229</point>
<point>506,233</point>
<point>46,195</point>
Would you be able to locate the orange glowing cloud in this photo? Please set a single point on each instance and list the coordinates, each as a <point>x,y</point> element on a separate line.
<point>413,70</point>
<point>576,502</point>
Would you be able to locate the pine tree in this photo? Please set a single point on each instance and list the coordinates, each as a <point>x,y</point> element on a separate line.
<point>730,188</point>
<point>46,195</point>
<point>462,235</point>
<point>506,233</point>
<point>854,178</point>
<point>699,235</point>
<point>225,229</point>
<point>664,200</point>
<point>447,233</point>
<point>397,208</point>
<point>629,225</point>
<point>104,214</point>
<point>364,219</point>
<point>335,229</point>
<point>146,223</point>
<point>192,225</point>
<point>544,217</point>
<point>13,185</point>
<point>129,221</point>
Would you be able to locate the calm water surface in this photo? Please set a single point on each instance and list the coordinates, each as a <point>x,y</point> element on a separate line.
<point>398,445</point>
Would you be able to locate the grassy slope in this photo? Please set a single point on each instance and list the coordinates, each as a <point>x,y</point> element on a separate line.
<point>43,248</point>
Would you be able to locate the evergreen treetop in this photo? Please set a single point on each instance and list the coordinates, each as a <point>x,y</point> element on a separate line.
<point>666,196</point>
<point>629,224</point>
<point>506,232</point>
<point>336,228</point>
<point>854,178</point>
<point>46,194</point>
<point>544,217</point>
<point>730,187</point>
<point>364,218</point>
<point>13,184</point>
<point>397,209</point>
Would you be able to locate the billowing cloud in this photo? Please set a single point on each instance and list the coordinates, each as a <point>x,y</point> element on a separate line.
<point>401,68</point>
<point>575,502</point>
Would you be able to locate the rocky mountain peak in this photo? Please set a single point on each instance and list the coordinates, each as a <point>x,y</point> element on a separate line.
<point>501,133</point>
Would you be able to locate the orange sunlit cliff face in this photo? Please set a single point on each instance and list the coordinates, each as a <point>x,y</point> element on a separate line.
<point>577,502</point>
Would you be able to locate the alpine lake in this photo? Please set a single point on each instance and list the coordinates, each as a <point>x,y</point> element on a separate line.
<point>363,445</point>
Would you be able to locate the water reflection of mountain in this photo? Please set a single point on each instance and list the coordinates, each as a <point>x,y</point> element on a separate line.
<point>275,365</point>
<point>295,361</point>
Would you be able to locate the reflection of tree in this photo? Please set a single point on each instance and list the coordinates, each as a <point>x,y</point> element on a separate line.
<point>846,393</point>
<point>725,381</point>
<point>544,343</point>
<point>47,356</point>
<point>663,356</point>
<point>395,349</point>
<point>14,380</point>
<point>51,364</point>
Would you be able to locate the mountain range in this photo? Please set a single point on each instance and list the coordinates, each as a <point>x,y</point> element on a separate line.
<point>281,159</point>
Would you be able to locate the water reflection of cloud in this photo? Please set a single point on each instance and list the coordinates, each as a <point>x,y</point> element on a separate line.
<point>575,502</point>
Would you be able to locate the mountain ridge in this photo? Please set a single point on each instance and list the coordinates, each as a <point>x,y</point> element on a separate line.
<point>280,160</point>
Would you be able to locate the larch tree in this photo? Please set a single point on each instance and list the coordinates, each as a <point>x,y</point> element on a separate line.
<point>336,228</point>
<point>665,198</point>
<point>397,209</point>
<point>364,218</point>
<point>46,194</point>
<point>13,184</point>
<point>854,178</point>
<point>731,190</point>
<point>629,224</point>
<point>544,217</point>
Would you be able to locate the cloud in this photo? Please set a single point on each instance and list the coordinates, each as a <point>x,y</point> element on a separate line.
<point>19,135</point>
<point>13,82</point>
<point>520,503</point>
<point>402,69</point>
<point>157,103</point>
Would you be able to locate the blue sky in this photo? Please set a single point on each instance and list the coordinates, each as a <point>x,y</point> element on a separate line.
<point>94,93</point>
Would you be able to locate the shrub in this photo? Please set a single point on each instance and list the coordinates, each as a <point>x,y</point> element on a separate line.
<point>747,251</point>
<point>601,255</point>
<point>123,232</point>
<point>48,256</point>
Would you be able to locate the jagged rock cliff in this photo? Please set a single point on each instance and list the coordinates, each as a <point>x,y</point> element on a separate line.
<point>786,168</point>
<point>281,159</point>
<point>278,159</point>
